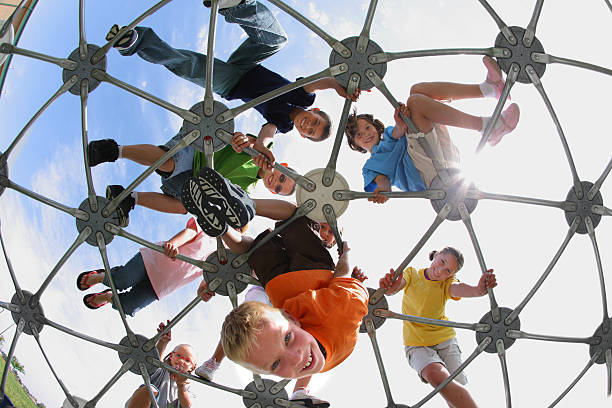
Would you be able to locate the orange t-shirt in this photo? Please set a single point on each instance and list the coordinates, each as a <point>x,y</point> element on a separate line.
<point>328,308</point>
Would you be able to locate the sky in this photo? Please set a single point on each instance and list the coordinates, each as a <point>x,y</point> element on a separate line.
<point>517,240</point>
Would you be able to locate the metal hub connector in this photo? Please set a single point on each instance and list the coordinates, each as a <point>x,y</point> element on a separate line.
<point>604,333</point>
<point>520,54</point>
<point>358,63</point>
<point>265,396</point>
<point>377,320</point>
<point>323,195</point>
<point>455,194</point>
<point>226,274</point>
<point>138,354</point>
<point>208,125</point>
<point>96,221</point>
<point>31,312</point>
<point>498,330</point>
<point>4,177</point>
<point>583,207</point>
<point>84,69</point>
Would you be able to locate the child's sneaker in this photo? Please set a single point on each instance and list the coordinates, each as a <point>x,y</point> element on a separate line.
<point>196,203</point>
<point>102,151</point>
<point>507,123</point>
<point>124,207</point>
<point>126,41</point>
<point>494,76</point>
<point>207,370</point>
<point>224,3</point>
<point>237,208</point>
<point>304,396</point>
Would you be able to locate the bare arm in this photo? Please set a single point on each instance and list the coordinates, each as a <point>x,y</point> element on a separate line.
<point>342,267</point>
<point>274,209</point>
<point>236,242</point>
<point>330,83</point>
<point>386,282</point>
<point>171,248</point>
<point>266,135</point>
<point>487,281</point>
<point>183,395</point>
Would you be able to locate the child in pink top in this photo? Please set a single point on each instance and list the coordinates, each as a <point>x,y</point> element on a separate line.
<point>150,274</point>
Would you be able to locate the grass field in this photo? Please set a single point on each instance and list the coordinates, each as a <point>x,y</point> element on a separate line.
<point>13,389</point>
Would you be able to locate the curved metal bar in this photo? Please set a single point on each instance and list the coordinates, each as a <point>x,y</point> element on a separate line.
<point>435,322</point>
<point>200,263</point>
<point>82,38</point>
<point>106,47</point>
<point>183,113</point>
<point>391,56</point>
<point>64,63</point>
<point>330,170</point>
<point>535,80</point>
<point>117,347</point>
<point>570,233</point>
<point>551,59</point>
<point>455,373</point>
<point>153,341</point>
<point>210,58</point>
<point>602,284</point>
<point>595,188</point>
<point>91,192</point>
<point>147,380</point>
<point>510,80</point>
<point>440,217</point>
<point>62,89</point>
<point>364,37</point>
<point>331,41</point>
<point>9,357</point>
<point>609,4</point>
<point>465,216</point>
<point>500,23</point>
<point>124,369</point>
<point>482,195</point>
<point>77,242</point>
<point>501,352</point>
<point>381,367</point>
<point>75,212</point>
<point>582,373</point>
<point>533,23</point>
<point>518,334</point>
<point>11,272</point>
<point>343,195</point>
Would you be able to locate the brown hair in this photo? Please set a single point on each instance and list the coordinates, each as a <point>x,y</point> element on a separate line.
<point>351,129</point>
<point>454,252</point>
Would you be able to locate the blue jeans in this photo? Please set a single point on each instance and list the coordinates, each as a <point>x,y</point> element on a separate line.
<point>132,275</point>
<point>265,37</point>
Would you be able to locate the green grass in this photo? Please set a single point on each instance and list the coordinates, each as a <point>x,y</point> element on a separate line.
<point>19,397</point>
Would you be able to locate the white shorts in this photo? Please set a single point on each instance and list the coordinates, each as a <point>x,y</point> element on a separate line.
<point>446,353</point>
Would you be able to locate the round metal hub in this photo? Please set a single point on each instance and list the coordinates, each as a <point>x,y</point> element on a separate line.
<point>498,330</point>
<point>605,343</point>
<point>520,54</point>
<point>6,38</point>
<point>227,273</point>
<point>138,354</point>
<point>322,195</point>
<point>3,174</point>
<point>583,207</point>
<point>358,63</point>
<point>455,194</point>
<point>84,69</point>
<point>96,222</point>
<point>208,125</point>
<point>30,314</point>
<point>378,321</point>
<point>264,398</point>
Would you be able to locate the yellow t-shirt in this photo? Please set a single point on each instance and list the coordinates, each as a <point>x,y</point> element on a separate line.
<point>425,298</point>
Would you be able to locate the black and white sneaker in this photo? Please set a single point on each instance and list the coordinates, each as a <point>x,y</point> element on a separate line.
<point>102,151</point>
<point>126,41</point>
<point>124,207</point>
<point>237,208</point>
<point>207,214</point>
<point>223,4</point>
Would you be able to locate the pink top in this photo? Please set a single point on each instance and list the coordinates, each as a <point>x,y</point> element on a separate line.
<point>167,275</point>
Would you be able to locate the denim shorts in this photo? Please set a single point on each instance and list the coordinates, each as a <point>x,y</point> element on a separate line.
<point>446,353</point>
<point>172,183</point>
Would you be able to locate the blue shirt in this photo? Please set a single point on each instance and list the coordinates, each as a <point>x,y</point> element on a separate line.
<point>390,158</point>
<point>260,81</point>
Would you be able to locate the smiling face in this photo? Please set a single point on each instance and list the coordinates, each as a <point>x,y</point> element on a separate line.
<point>310,124</point>
<point>327,235</point>
<point>182,358</point>
<point>443,266</point>
<point>284,349</point>
<point>366,135</point>
<point>277,182</point>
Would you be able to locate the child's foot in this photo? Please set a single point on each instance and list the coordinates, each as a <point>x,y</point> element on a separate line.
<point>237,208</point>
<point>125,206</point>
<point>223,3</point>
<point>102,151</point>
<point>87,279</point>
<point>507,123</point>
<point>126,41</point>
<point>196,203</point>
<point>493,85</point>
<point>207,370</point>
<point>97,300</point>
<point>308,399</point>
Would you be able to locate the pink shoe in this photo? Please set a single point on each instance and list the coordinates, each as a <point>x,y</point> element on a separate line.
<point>507,123</point>
<point>494,75</point>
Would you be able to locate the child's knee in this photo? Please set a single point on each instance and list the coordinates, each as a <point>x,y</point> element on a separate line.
<point>418,88</point>
<point>434,373</point>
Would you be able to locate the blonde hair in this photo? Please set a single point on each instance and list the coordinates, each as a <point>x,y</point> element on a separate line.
<point>241,327</point>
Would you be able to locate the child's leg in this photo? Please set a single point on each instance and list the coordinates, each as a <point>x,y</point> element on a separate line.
<point>443,91</point>
<point>425,111</point>
<point>146,155</point>
<point>141,399</point>
<point>274,209</point>
<point>455,394</point>
<point>140,296</point>
<point>160,202</point>
<point>128,275</point>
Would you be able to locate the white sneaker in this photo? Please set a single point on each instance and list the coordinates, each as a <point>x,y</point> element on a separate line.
<point>223,4</point>
<point>308,399</point>
<point>207,370</point>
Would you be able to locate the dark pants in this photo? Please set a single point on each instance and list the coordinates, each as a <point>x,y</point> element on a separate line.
<point>296,248</point>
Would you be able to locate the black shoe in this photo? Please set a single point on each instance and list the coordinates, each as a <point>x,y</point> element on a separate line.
<point>102,151</point>
<point>125,41</point>
<point>124,207</point>
<point>207,214</point>
<point>223,4</point>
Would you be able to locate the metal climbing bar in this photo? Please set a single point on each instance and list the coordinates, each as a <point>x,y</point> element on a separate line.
<point>501,352</point>
<point>379,362</point>
<point>609,370</point>
<point>609,4</point>
<point>482,195</point>
<point>185,141</point>
<point>551,59</point>
<point>9,356</point>
<point>465,217</point>
<point>75,212</point>
<point>124,369</point>
<point>582,373</point>
<point>535,80</point>
<point>97,57</point>
<point>147,381</point>
<point>61,384</point>
<point>455,373</point>
<point>183,113</point>
<point>10,306</point>
<point>519,334</point>
<point>153,341</point>
<point>533,23</point>
<point>331,41</point>
<point>480,327</point>
<point>275,389</point>
<point>570,233</point>
<point>210,59</point>
<point>62,89</point>
<point>602,284</point>
<point>332,220</point>
<point>65,63</point>
<point>82,37</point>
<point>231,292</point>
<point>440,217</point>
<point>510,80</point>
<point>330,170</point>
<point>344,195</point>
<point>597,185</point>
<point>91,192</point>
<point>117,347</point>
<point>11,271</point>
<point>77,243</point>
<point>379,58</point>
<point>364,36</point>
<point>500,23</point>
<point>601,210</point>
